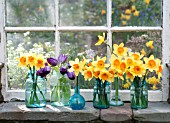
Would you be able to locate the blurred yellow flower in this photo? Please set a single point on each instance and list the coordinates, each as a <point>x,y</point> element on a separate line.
<point>153,80</point>
<point>143,52</point>
<point>147,1</point>
<point>159,71</point>
<point>120,50</point>
<point>129,61</point>
<point>127,17</point>
<point>124,23</point>
<point>103,12</point>
<point>136,13</point>
<point>100,39</point>
<point>88,73</point>
<point>122,16</point>
<point>133,0</point>
<point>106,76</point>
<point>150,44</point>
<point>127,85</point>
<point>128,11</point>
<point>137,56</point>
<point>154,87</point>
<point>133,8</point>
<point>96,73</point>
<point>129,75</point>
<point>31,59</point>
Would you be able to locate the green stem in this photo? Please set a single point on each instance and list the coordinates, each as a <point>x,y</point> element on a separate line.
<point>58,91</point>
<point>40,92</point>
<point>116,90</point>
<point>77,84</point>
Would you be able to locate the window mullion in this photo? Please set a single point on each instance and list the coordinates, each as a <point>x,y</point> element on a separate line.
<point>57,35</point>
<point>165,48</point>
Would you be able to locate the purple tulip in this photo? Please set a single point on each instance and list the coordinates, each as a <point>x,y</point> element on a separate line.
<point>52,61</point>
<point>46,70</point>
<point>63,70</point>
<point>71,75</point>
<point>62,58</point>
<point>69,66</point>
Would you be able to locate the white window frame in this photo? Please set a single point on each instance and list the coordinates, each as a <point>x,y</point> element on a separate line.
<point>158,95</point>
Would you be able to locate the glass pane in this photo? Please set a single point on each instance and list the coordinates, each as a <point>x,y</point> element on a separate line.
<point>29,12</point>
<point>136,41</point>
<point>76,43</point>
<point>136,12</point>
<point>82,12</point>
<point>36,42</point>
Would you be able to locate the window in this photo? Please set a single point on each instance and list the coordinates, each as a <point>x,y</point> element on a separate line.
<point>50,25</point>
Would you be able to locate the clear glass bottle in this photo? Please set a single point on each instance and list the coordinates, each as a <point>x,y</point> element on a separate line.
<point>60,89</point>
<point>139,94</point>
<point>101,94</point>
<point>35,92</point>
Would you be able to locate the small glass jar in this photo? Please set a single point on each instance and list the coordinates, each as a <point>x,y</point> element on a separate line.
<point>139,94</point>
<point>35,92</point>
<point>60,89</point>
<point>101,94</point>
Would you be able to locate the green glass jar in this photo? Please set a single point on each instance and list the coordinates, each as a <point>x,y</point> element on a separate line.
<point>101,94</point>
<point>60,89</point>
<point>139,94</point>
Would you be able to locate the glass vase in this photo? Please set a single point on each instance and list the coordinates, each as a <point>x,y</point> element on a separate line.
<point>116,101</point>
<point>101,94</point>
<point>139,94</point>
<point>60,89</point>
<point>35,92</point>
<point>77,101</point>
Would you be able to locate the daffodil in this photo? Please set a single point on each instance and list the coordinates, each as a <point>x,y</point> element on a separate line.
<point>127,85</point>
<point>133,0</point>
<point>143,52</point>
<point>127,17</point>
<point>103,12</point>
<point>154,87</point>
<point>115,62</point>
<point>40,62</point>
<point>129,75</point>
<point>106,76</point>
<point>31,59</point>
<point>77,66</point>
<point>136,13</point>
<point>112,71</point>
<point>133,8</point>
<point>136,55</point>
<point>151,63</point>
<point>122,16</point>
<point>22,60</point>
<point>100,63</point>
<point>150,44</point>
<point>101,39</point>
<point>124,23</point>
<point>129,61</point>
<point>138,69</point>
<point>128,11</point>
<point>147,1</point>
<point>88,73</point>
<point>159,71</point>
<point>120,50</point>
<point>123,66</point>
<point>153,80</point>
<point>96,73</point>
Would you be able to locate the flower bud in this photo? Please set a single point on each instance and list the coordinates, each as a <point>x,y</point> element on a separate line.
<point>63,70</point>
<point>52,61</point>
<point>71,75</point>
<point>62,58</point>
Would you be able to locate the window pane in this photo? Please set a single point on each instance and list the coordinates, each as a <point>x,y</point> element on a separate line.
<point>82,12</point>
<point>29,13</point>
<point>76,43</point>
<point>136,41</point>
<point>36,42</point>
<point>136,12</point>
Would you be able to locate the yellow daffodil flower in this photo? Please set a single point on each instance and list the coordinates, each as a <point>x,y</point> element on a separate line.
<point>153,80</point>
<point>124,23</point>
<point>128,11</point>
<point>115,62</point>
<point>122,16</point>
<point>40,62</point>
<point>106,76</point>
<point>123,66</point>
<point>143,52</point>
<point>133,0</point>
<point>129,75</point>
<point>77,66</point>
<point>103,12</point>
<point>138,69</point>
<point>120,50</point>
<point>96,73</point>
<point>22,60</point>
<point>100,63</point>
<point>159,71</point>
<point>31,59</point>
<point>151,63</point>
<point>154,87</point>
<point>112,71</point>
<point>137,56</point>
<point>133,8</point>
<point>150,44</point>
<point>129,61</point>
<point>101,39</point>
<point>147,1</point>
<point>127,17</point>
<point>136,13</point>
<point>88,73</point>
<point>127,85</point>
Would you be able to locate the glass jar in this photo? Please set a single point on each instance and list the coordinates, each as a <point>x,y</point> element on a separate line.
<point>139,94</point>
<point>101,94</point>
<point>35,92</point>
<point>60,89</point>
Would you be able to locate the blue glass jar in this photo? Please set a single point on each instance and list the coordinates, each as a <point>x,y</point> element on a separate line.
<point>35,92</point>
<point>139,94</point>
<point>77,101</point>
<point>101,94</point>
